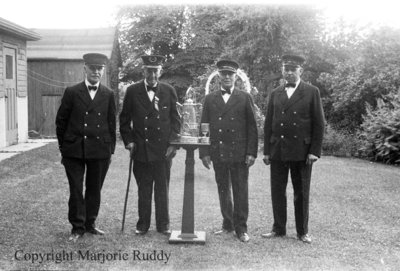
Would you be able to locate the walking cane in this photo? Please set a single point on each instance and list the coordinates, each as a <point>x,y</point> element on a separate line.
<point>127,191</point>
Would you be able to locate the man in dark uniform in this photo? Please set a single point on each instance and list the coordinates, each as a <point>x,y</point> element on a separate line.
<point>86,133</point>
<point>294,128</point>
<point>148,122</point>
<point>233,149</point>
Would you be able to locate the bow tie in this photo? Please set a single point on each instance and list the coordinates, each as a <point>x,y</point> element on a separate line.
<point>290,85</point>
<point>94,88</point>
<point>225,91</point>
<point>150,88</point>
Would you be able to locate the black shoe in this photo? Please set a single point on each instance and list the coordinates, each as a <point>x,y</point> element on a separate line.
<point>305,238</point>
<point>165,232</point>
<point>74,237</point>
<point>95,231</point>
<point>272,234</point>
<point>140,232</point>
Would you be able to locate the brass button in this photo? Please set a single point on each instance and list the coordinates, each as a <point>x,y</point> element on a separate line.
<point>282,136</point>
<point>85,124</point>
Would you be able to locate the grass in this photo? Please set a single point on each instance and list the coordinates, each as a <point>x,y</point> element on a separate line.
<point>354,220</point>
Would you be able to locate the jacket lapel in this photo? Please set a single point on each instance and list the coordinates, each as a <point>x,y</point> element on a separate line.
<point>97,98</point>
<point>297,95</point>
<point>218,100</point>
<point>234,99</point>
<point>144,97</point>
<point>84,94</point>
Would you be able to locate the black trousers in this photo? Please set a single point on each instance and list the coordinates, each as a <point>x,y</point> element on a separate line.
<point>300,174</point>
<point>235,176</point>
<point>146,175</point>
<point>84,208</point>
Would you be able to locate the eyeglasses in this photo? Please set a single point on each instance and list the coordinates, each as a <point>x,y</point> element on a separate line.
<point>95,67</point>
<point>290,68</point>
<point>225,73</point>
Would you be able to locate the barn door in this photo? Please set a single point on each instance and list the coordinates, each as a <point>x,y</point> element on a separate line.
<point>11,96</point>
<point>50,105</point>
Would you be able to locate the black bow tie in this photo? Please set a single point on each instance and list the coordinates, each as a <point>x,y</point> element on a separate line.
<point>154,88</point>
<point>225,91</point>
<point>94,88</point>
<point>290,85</point>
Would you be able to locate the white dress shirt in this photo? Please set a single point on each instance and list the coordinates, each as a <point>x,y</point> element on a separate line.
<point>92,93</point>
<point>226,96</point>
<point>290,90</point>
<point>150,93</point>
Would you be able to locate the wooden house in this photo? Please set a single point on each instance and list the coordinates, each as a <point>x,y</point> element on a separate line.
<point>55,62</point>
<point>13,82</point>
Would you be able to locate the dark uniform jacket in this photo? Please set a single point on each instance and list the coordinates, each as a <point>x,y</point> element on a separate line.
<point>151,129</point>
<point>233,127</point>
<point>86,128</point>
<point>294,127</point>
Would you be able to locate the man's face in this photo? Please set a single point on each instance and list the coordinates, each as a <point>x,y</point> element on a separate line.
<point>152,75</point>
<point>94,73</point>
<point>227,78</point>
<point>291,73</point>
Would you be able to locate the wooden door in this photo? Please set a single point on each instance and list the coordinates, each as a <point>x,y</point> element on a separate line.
<point>50,105</point>
<point>11,96</point>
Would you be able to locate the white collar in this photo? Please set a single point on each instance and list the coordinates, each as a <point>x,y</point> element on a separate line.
<point>87,83</point>
<point>146,84</point>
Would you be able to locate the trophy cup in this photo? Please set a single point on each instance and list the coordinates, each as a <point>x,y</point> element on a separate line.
<point>205,132</point>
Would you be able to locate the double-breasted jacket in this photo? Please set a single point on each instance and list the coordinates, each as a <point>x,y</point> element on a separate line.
<point>294,127</point>
<point>151,125</point>
<point>233,127</point>
<point>86,128</point>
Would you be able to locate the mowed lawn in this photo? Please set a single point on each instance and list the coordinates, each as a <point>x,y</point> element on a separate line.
<point>354,220</point>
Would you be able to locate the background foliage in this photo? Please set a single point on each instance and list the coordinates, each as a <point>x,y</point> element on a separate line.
<point>354,66</point>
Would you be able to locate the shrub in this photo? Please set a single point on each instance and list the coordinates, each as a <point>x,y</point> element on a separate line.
<point>339,143</point>
<point>380,130</point>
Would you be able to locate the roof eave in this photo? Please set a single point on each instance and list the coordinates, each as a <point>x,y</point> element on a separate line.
<point>17,30</point>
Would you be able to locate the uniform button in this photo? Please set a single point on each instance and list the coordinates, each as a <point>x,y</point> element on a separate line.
<point>283,112</point>
<point>220,142</point>
<point>145,118</point>
<point>233,143</point>
<point>98,137</point>
<point>85,124</point>
<point>233,130</point>
<point>159,139</point>
<point>232,118</point>
<point>85,137</point>
<point>295,136</point>
<point>281,124</point>
<point>145,128</point>
<point>220,118</point>
<point>147,140</point>
<point>158,128</point>
<point>99,114</point>
<point>158,117</point>
<point>98,125</point>
<point>220,130</point>
<point>282,136</point>
<point>222,155</point>
<point>294,124</point>
<point>295,112</point>
<point>87,113</point>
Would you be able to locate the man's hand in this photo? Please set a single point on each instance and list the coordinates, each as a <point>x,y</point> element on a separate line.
<point>266,160</point>
<point>311,158</point>
<point>171,152</point>
<point>131,147</point>
<point>250,160</point>
<point>206,161</point>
